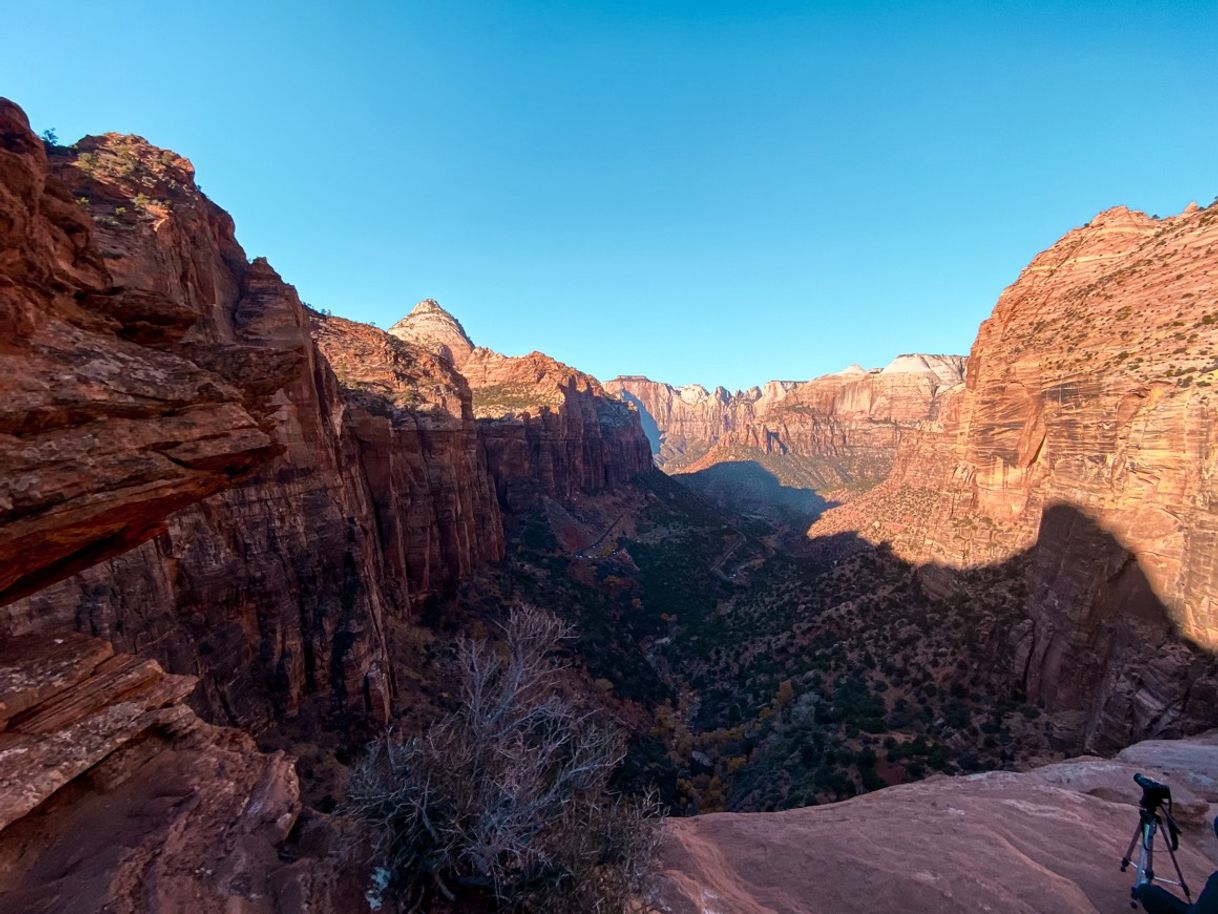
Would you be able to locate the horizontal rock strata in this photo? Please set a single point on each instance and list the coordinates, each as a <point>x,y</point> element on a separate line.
<point>1086,433</point>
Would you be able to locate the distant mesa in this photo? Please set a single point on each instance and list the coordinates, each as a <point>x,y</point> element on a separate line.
<point>947,368</point>
<point>432,328</point>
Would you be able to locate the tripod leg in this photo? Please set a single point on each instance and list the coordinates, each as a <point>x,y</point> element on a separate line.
<point>1125,861</point>
<point>1176,863</point>
<point>1148,847</point>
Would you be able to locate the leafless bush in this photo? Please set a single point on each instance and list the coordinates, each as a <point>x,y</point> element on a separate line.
<point>505,800</point>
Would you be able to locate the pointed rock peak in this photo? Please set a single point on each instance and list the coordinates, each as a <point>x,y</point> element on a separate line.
<point>430,327</point>
<point>428,306</point>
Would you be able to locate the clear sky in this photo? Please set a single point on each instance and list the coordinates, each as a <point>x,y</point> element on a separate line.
<point>702,191</point>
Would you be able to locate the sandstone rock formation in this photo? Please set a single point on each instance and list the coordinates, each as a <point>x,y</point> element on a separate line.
<point>1090,387</point>
<point>115,797</point>
<point>432,328</point>
<point>838,430</point>
<point>1047,840</point>
<point>412,416</point>
<point>281,594</point>
<point>149,366</point>
<point>551,430</point>
<point>286,586</point>
<point>116,406</point>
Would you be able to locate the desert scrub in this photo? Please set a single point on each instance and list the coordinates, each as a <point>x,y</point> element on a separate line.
<point>504,804</point>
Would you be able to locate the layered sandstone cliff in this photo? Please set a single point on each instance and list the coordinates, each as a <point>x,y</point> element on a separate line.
<point>116,798</point>
<point>115,407</point>
<point>281,593</point>
<point>551,430</point>
<point>547,429</point>
<point>129,394</point>
<point>1086,433</point>
<point>841,429</point>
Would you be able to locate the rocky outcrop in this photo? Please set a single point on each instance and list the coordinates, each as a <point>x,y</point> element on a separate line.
<point>115,797</point>
<point>1047,840</point>
<point>840,429</point>
<point>412,416</point>
<point>281,594</point>
<point>547,429</point>
<point>116,406</point>
<point>1086,433</point>
<point>551,430</point>
<point>433,329</point>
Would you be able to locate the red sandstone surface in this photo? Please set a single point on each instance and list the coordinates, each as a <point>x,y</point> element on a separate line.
<point>837,430</point>
<point>1089,389</point>
<point>153,366</point>
<point>1046,841</point>
<point>115,407</point>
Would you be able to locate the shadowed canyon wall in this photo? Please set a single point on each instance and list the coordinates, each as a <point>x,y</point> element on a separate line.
<point>282,593</point>
<point>129,395</point>
<point>1089,386</point>
<point>253,497</point>
<point>552,430</point>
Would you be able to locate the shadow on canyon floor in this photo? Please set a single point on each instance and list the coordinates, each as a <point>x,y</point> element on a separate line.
<point>1096,643</point>
<point>747,487</point>
<point>840,668</point>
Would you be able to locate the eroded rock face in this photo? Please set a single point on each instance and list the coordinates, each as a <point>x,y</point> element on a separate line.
<point>433,329</point>
<point>1086,433</point>
<point>412,415</point>
<point>844,427</point>
<point>551,430</point>
<point>122,398</point>
<point>547,430</point>
<point>1047,840</point>
<point>282,593</point>
<point>115,797</point>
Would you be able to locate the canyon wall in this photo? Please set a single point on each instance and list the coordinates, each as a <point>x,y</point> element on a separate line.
<point>128,397</point>
<point>281,594</point>
<point>551,430</point>
<point>839,430</point>
<point>219,505</point>
<point>113,410</point>
<point>1085,433</point>
<point>285,586</point>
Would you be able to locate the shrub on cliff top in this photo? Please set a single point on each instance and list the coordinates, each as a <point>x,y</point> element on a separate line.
<point>504,803</point>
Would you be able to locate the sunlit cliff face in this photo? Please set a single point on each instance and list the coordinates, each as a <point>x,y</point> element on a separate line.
<point>1090,386</point>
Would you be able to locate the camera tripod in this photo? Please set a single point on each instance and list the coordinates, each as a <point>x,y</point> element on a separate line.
<point>1154,815</point>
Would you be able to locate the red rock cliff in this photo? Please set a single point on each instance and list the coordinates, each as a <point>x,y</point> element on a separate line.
<point>843,427</point>
<point>280,594</point>
<point>114,409</point>
<point>126,397</point>
<point>547,429</point>
<point>551,430</point>
<point>1086,433</point>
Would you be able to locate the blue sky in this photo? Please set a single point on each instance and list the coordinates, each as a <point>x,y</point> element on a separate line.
<point>710,192</point>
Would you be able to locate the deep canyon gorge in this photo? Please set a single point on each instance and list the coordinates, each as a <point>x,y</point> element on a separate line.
<point>240,535</point>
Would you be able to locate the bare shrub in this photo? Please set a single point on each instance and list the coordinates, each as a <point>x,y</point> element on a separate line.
<point>505,800</point>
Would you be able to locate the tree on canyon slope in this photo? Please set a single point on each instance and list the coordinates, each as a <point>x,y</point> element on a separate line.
<point>505,801</point>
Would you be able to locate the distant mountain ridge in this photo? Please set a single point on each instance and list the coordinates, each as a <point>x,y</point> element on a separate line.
<point>837,430</point>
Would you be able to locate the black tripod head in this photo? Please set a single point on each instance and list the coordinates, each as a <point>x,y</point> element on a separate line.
<point>1154,794</point>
